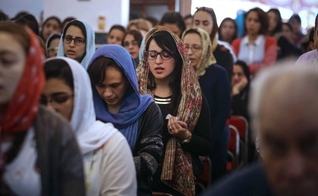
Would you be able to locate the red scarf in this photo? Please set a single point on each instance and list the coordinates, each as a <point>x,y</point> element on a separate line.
<point>23,106</point>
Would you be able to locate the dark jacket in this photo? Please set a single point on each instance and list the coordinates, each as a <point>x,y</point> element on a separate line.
<point>59,157</point>
<point>148,147</point>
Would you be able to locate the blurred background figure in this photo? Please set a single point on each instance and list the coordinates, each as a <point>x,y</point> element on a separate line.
<point>255,48</point>
<point>285,48</point>
<point>188,20</point>
<point>116,34</point>
<point>52,45</point>
<point>228,30</point>
<point>139,24</point>
<point>295,22</point>
<point>132,41</point>
<point>50,25</point>
<point>65,21</point>
<point>174,22</point>
<point>308,41</point>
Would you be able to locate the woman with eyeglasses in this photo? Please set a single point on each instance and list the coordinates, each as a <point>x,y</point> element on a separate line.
<point>132,41</point>
<point>165,73</point>
<point>108,162</point>
<point>78,42</point>
<point>52,45</point>
<point>39,154</point>
<point>117,100</point>
<point>216,88</point>
<point>205,18</point>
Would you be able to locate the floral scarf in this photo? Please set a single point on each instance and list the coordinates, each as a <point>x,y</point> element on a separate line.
<point>177,165</point>
<point>22,108</point>
<point>207,57</point>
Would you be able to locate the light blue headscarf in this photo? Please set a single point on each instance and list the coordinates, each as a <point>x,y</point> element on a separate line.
<point>90,43</point>
<point>133,105</point>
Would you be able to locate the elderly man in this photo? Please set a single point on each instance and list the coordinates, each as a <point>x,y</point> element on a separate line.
<point>284,114</point>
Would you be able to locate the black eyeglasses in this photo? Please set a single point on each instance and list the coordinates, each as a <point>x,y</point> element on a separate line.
<point>151,55</point>
<point>127,43</point>
<point>77,40</point>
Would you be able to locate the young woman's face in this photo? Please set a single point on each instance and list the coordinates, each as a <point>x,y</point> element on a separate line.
<point>51,26</point>
<point>131,45</point>
<point>193,44</point>
<point>252,23</point>
<point>203,20</point>
<point>12,60</point>
<point>73,50</point>
<point>238,74</point>
<point>112,90</point>
<point>115,36</point>
<point>160,68</point>
<point>58,96</point>
<point>272,21</point>
<point>53,48</point>
<point>227,30</point>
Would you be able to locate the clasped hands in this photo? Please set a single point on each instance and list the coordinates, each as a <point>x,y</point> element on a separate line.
<point>178,128</point>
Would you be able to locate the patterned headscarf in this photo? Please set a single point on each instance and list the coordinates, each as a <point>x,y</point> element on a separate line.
<point>207,57</point>
<point>177,166</point>
<point>23,105</point>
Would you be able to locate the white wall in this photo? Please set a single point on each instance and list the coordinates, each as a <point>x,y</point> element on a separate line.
<point>116,11</point>
<point>12,7</point>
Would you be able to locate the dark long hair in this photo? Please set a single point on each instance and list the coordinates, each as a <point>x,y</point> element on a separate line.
<point>166,42</point>
<point>213,16</point>
<point>279,21</point>
<point>234,36</point>
<point>262,17</point>
<point>59,69</point>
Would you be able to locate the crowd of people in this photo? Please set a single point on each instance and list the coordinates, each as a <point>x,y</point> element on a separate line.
<point>137,116</point>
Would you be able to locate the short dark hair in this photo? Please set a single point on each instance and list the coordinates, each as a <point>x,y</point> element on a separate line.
<point>51,38</point>
<point>59,69</point>
<point>262,17</point>
<point>30,21</point>
<point>118,27</point>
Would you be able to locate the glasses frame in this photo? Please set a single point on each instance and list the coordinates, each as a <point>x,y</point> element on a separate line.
<point>158,53</point>
<point>73,39</point>
<point>133,43</point>
<point>193,49</point>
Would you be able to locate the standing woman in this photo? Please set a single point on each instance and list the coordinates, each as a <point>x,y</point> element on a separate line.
<point>205,18</point>
<point>117,100</point>
<point>215,87</point>
<point>35,144</point>
<point>77,42</point>
<point>284,47</point>
<point>166,73</point>
<point>108,162</point>
<point>255,48</point>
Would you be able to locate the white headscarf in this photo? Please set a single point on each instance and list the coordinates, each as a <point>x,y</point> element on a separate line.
<point>90,44</point>
<point>91,134</point>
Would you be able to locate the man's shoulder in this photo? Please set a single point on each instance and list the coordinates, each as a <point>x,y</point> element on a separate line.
<point>250,180</point>
<point>310,55</point>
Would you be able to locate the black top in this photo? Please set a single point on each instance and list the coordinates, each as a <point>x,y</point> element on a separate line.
<point>248,181</point>
<point>199,145</point>
<point>239,104</point>
<point>224,58</point>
